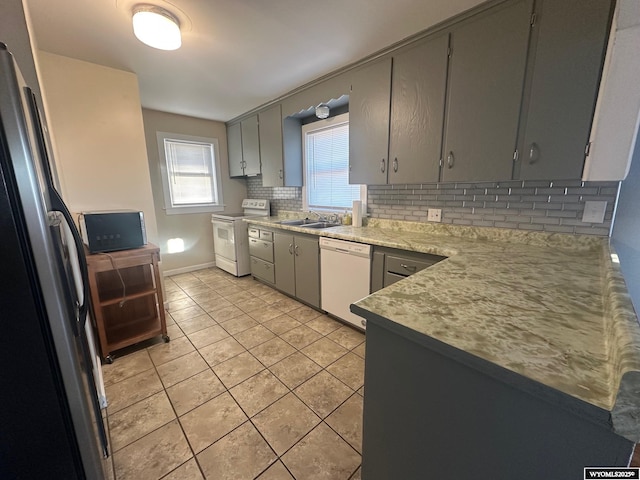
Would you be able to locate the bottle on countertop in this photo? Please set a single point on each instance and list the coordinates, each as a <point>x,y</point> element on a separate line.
<point>346,218</point>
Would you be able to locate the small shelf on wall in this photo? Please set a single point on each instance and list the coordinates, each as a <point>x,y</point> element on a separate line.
<point>126,294</point>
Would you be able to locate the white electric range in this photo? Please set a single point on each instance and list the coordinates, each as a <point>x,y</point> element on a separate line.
<point>230,237</point>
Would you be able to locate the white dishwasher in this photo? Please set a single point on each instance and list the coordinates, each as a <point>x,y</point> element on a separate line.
<point>345,271</point>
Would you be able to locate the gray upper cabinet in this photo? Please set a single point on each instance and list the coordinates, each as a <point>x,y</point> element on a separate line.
<point>369,103</point>
<point>250,145</point>
<point>270,121</point>
<point>418,89</point>
<point>568,44</point>
<point>244,148</point>
<point>234,145</point>
<point>486,78</point>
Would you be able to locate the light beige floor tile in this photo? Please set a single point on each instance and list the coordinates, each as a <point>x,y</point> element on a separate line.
<point>215,305</point>
<point>347,421</point>
<point>237,369</point>
<point>165,352</point>
<point>167,319</point>
<point>154,455</point>
<point>304,314</point>
<point>194,391</point>
<point>272,351</point>
<point>205,297</point>
<point>196,288</point>
<point>225,314</point>
<point>207,336</point>
<point>239,324</point>
<point>187,471</point>
<point>239,297</point>
<point>324,324</point>
<point>348,337</point>
<point>226,290</point>
<point>180,303</point>
<point>266,314</point>
<point>359,350</point>
<point>252,304</point>
<point>125,367</point>
<point>254,336</point>
<point>221,351</point>
<point>133,389</point>
<point>171,286</point>
<point>286,304</point>
<point>361,391</point>
<point>295,369</point>
<point>212,421</point>
<point>323,393</point>
<point>174,295</point>
<point>181,368</point>
<point>322,455</point>
<point>261,289</point>
<point>349,369</point>
<point>357,475</point>
<point>174,331</point>
<point>281,324</point>
<point>277,471</point>
<point>285,422</point>
<point>301,336</point>
<point>273,297</point>
<point>258,392</point>
<point>197,323</point>
<point>186,314</point>
<point>242,454</point>
<point>324,351</point>
<point>135,421</point>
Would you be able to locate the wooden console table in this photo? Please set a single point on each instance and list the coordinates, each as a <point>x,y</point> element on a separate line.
<point>127,297</point>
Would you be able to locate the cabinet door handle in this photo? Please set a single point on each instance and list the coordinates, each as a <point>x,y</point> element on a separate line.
<point>382,165</point>
<point>291,249</point>
<point>280,174</point>
<point>408,267</point>
<point>296,250</point>
<point>395,164</point>
<point>534,153</point>
<point>450,160</point>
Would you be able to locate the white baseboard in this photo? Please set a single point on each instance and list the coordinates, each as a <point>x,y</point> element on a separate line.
<point>191,268</point>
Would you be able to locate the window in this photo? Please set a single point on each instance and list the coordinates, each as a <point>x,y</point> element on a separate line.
<point>190,173</point>
<point>326,166</point>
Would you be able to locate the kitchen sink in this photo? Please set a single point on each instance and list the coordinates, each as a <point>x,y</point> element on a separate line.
<point>295,223</point>
<point>321,225</point>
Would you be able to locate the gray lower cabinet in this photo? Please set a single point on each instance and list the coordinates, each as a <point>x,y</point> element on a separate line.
<point>486,78</point>
<point>568,43</point>
<point>261,254</point>
<point>243,144</point>
<point>297,265</point>
<point>390,265</point>
<point>433,411</point>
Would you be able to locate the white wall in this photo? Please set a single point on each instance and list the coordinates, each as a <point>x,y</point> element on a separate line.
<point>95,119</point>
<point>195,229</point>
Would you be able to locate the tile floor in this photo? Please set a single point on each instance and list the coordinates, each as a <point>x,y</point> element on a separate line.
<point>252,385</point>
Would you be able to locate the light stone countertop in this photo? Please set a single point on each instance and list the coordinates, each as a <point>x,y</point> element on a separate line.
<point>552,308</point>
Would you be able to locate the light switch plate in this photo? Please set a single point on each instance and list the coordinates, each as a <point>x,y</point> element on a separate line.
<point>594,212</point>
<point>434,214</point>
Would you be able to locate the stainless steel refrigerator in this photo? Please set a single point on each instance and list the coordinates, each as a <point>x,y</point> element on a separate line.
<point>51,425</point>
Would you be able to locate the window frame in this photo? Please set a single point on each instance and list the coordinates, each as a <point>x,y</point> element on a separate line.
<point>321,125</point>
<point>169,207</point>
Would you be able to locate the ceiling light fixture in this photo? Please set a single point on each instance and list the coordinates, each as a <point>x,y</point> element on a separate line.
<point>322,111</point>
<point>156,27</point>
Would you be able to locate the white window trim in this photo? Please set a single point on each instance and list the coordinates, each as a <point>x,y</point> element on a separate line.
<point>310,127</point>
<point>201,208</point>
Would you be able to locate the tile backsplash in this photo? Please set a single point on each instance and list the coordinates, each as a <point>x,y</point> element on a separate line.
<point>543,205</point>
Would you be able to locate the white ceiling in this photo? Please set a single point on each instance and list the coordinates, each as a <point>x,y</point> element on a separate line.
<point>236,54</point>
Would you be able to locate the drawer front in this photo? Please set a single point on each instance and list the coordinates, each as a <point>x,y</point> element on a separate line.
<point>266,235</point>
<point>405,266</point>
<point>390,278</point>
<point>263,270</point>
<point>254,232</point>
<point>261,249</point>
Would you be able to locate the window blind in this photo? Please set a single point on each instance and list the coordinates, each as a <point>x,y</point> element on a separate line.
<point>191,172</point>
<point>327,169</point>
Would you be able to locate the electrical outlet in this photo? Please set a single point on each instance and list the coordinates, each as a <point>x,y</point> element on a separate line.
<point>594,212</point>
<point>434,214</point>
